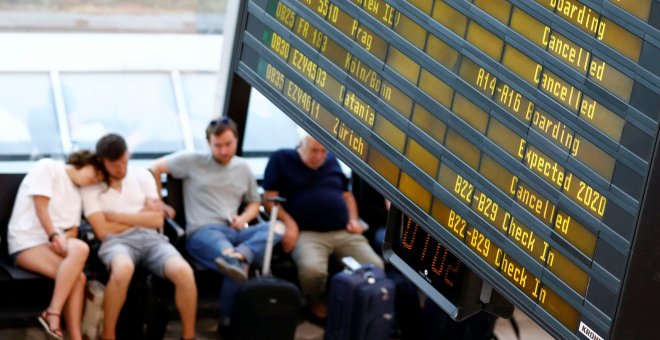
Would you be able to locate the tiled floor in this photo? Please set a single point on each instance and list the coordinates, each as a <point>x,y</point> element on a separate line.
<point>206,329</point>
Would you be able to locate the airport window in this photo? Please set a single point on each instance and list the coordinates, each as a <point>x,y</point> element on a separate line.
<point>267,128</point>
<point>29,126</point>
<point>199,95</point>
<point>139,106</point>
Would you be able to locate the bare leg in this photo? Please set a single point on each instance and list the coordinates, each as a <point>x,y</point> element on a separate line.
<point>74,308</point>
<point>65,272</point>
<point>179,272</point>
<point>121,272</point>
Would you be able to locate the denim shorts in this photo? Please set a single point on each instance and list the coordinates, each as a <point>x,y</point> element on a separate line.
<point>144,246</point>
<point>14,256</point>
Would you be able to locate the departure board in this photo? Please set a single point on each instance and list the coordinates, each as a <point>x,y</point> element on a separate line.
<point>522,135</point>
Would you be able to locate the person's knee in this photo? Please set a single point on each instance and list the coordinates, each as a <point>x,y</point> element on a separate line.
<point>179,272</point>
<point>78,249</point>
<point>378,262</point>
<point>361,251</point>
<point>370,257</point>
<point>121,271</point>
<point>309,273</point>
<point>279,230</point>
<point>366,255</point>
<point>193,244</point>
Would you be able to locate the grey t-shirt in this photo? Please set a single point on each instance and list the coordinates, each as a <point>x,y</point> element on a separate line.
<point>212,192</point>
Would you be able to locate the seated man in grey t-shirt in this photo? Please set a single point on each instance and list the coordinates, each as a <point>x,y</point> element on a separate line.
<point>214,186</point>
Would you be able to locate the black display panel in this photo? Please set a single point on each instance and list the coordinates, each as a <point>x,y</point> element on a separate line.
<point>520,134</point>
<point>427,262</point>
<point>428,258</point>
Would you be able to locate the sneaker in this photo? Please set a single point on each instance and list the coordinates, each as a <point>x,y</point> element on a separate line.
<point>231,267</point>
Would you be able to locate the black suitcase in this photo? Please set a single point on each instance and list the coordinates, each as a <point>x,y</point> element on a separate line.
<point>144,314</point>
<point>361,304</point>
<point>266,307</point>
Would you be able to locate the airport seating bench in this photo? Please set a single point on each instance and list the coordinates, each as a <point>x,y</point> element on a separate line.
<point>23,293</point>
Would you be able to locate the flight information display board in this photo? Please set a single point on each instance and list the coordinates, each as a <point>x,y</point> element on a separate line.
<point>522,135</point>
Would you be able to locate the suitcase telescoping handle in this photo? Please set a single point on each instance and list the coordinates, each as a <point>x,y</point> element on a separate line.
<point>265,270</point>
<point>353,266</point>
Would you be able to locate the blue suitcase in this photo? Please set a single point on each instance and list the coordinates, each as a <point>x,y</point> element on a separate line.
<point>361,305</point>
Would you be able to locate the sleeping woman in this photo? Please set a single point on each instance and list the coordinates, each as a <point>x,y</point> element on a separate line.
<point>42,234</point>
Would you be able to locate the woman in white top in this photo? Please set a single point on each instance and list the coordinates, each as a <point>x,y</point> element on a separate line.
<point>42,234</point>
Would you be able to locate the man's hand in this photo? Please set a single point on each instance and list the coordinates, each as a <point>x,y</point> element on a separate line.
<point>153,204</point>
<point>354,227</point>
<point>290,236</point>
<point>168,210</point>
<point>157,205</point>
<point>238,223</point>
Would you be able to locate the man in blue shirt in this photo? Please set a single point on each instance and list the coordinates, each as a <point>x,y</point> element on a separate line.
<point>320,215</point>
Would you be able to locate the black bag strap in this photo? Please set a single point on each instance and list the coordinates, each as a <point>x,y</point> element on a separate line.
<point>514,325</point>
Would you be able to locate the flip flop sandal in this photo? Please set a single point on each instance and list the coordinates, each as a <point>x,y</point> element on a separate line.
<point>43,320</point>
